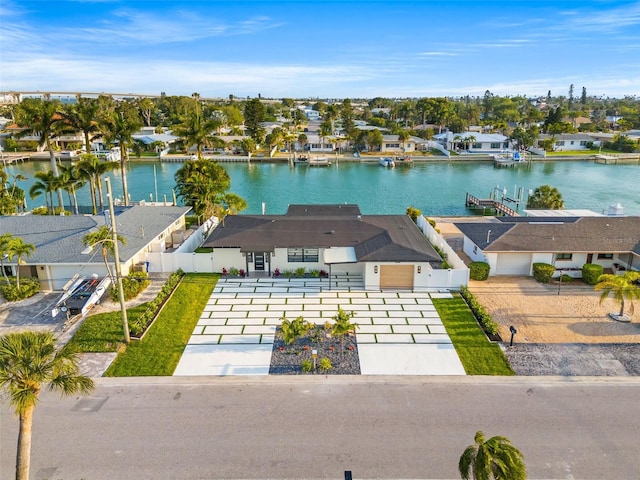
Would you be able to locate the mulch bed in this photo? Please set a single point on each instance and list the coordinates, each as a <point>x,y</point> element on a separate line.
<point>287,359</point>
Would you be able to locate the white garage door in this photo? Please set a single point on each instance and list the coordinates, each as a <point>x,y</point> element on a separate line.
<point>514,264</point>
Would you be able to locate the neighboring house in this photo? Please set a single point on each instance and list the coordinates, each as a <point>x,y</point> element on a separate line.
<point>389,251</point>
<point>60,253</point>
<point>148,136</point>
<point>568,141</point>
<point>513,244</point>
<point>60,142</point>
<point>474,142</point>
<point>393,144</point>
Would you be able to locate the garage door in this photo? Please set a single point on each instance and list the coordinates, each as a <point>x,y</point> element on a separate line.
<point>514,264</point>
<point>396,276</point>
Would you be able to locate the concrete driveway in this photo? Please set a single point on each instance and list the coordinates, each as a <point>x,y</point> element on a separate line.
<point>400,333</point>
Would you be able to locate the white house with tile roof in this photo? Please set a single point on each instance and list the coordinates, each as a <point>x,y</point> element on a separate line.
<point>60,253</point>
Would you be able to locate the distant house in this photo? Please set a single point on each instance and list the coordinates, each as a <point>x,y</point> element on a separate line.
<point>513,244</point>
<point>60,253</point>
<point>393,144</point>
<point>474,142</point>
<point>389,251</point>
<point>568,141</point>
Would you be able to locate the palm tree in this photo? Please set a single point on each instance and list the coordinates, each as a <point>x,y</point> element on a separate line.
<point>343,326</point>
<point>28,362</point>
<point>45,184</point>
<point>83,116</point>
<point>5,239</point>
<point>119,126</point>
<point>546,197</point>
<point>19,248</point>
<point>72,179</point>
<point>403,136</point>
<point>495,459</point>
<point>92,169</point>
<point>621,287</point>
<point>195,129</point>
<point>103,237</point>
<point>41,117</point>
<point>201,184</point>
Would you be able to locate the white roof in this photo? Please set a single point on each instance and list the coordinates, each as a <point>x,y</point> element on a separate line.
<point>340,255</point>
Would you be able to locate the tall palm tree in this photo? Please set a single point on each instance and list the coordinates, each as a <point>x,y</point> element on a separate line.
<point>103,237</point>
<point>196,129</point>
<point>19,248</point>
<point>546,196</point>
<point>92,168</point>
<point>5,238</point>
<point>42,117</point>
<point>72,179</point>
<point>45,184</point>
<point>119,126</point>
<point>29,361</point>
<point>621,287</point>
<point>201,184</point>
<point>495,459</point>
<point>83,116</point>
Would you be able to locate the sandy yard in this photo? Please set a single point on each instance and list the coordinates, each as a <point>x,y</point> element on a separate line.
<point>540,315</point>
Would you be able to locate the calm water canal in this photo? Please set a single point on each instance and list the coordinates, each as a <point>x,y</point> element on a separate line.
<point>436,188</point>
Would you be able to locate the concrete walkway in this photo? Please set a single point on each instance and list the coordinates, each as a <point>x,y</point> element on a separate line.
<point>400,333</point>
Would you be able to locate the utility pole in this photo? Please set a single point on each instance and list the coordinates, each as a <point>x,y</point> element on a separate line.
<point>123,310</point>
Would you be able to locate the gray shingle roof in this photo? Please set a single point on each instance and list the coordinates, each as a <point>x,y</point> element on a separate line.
<point>59,239</point>
<point>585,234</point>
<point>374,237</point>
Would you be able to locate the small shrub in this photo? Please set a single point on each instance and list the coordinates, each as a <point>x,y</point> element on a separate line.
<point>241,272</point>
<point>40,211</point>
<point>300,271</point>
<point>479,270</point>
<point>307,365</point>
<point>325,364</point>
<point>233,271</point>
<point>315,273</point>
<point>276,272</point>
<point>323,273</point>
<point>288,273</point>
<point>137,326</point>
<point>483,317</point>
<point>224,271</point>
<point>543,272</point>
<point>294,329</point>
<point>414,213</point>
<point>591,272</point>
<point>566,278</point>
<point>132,286</point>
<point>28,288</point>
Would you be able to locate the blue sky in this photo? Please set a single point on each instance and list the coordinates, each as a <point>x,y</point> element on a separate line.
<point>322,49</point>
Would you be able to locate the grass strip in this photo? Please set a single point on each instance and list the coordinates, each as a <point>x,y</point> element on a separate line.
<point>159,352</point>
<point>478,355</point>
<point>102,332</point>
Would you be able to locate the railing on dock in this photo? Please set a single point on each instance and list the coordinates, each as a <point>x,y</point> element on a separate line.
<point>490,203</point>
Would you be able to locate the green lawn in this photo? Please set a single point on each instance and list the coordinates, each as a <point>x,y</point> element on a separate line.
<point>561,153</point>
<point>478,355</point>
<point>159,352</point>
<point>102,332</point>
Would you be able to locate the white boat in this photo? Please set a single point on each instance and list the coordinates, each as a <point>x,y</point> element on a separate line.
<point>68,290</point>
<point>387,162</point>
<point>87,294</point>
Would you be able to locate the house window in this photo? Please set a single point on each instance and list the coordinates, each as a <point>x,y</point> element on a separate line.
<point>302,254</point>
<point>560,143</point>
<point>571,142</point>
<point>564,256</point>
<point>477,145</point>
<point>583,143</point>
<point>605,256</point>
<point>475,249</point>
<point>392,145</point>
<point>495,145</point>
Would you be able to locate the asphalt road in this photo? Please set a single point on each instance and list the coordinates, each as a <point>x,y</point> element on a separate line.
<point>303,428</point>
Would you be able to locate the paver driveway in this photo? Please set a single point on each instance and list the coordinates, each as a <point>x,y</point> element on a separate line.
<point>400,333</point>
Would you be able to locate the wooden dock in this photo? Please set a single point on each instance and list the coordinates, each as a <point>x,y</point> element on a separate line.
<point>615,159</point>
<point>473,201</point>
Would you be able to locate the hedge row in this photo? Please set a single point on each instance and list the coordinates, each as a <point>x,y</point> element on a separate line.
<point>591,273</point>
<point>479,270</point>
<point>28,288</point>
<point>132,285</point>
<point>483,317</point>
<point>138,326</point>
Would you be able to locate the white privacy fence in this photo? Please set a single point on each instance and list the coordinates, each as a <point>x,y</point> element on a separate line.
<point>458,274</point>
<point>184,257</point>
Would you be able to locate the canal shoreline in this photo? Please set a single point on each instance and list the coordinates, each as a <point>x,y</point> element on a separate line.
<point>622,158</point>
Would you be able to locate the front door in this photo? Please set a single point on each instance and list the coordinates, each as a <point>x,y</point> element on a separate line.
<point>258,261</point>
<point>590,258</point>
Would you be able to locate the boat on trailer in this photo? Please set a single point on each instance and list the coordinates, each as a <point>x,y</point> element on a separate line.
<point>86,293</point>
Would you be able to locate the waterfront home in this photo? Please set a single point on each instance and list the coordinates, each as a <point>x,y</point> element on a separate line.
<point>388,251</point>
<point>512,245</point>
<point>393,144</point>
<point>60,253</point>
<point>568,141</point>
<point>474,142</point>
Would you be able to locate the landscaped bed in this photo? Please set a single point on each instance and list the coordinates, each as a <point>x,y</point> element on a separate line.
<point>289,359</point>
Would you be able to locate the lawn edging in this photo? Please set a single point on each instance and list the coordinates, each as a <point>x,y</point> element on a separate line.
<point>478,355</point>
